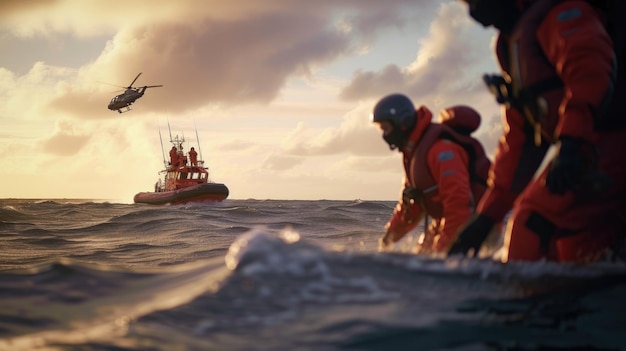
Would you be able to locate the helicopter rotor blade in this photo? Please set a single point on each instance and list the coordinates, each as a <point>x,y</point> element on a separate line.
<point>133,82</point>
<point>119,86</point>
<point>153,86</point>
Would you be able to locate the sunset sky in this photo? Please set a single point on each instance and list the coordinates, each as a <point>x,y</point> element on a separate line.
<point>279,91</point>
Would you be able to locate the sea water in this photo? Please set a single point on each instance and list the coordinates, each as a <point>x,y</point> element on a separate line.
<point>278,275</point>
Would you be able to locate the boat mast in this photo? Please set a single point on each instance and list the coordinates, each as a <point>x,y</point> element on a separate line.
<point>170,130</point>
<point>162,150</point>
<point>198,139</point>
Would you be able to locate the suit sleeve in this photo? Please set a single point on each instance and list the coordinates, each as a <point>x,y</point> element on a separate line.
<point>574,39</point>
<point>406,216</point>
<point>448,163</point>
<point>516,161</point>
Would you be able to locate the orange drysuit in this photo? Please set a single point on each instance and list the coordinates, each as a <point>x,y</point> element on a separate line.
<point>440,173</point>
<point>564,42</point>
<point>193,157</point>
<point>174,157</point>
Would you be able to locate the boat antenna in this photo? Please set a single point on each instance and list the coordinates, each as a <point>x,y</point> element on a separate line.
<point>170,130</point>
<point>162,150</point>
<point>198,139</point>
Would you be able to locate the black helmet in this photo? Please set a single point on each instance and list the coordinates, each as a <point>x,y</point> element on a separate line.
<point>502,14</point>
<point>398,110</point>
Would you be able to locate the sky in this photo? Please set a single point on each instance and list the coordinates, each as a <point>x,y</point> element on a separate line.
<point>275,94</point>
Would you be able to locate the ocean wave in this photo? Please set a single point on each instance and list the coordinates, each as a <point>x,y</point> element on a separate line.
<point>10,214</point>
<point>97,301</point>
<point>278,275</point>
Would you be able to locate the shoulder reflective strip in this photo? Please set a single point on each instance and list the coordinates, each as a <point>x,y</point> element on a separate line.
<point>568,14</point>
<point>445,156</point>
<point>431,189</point>
<point>448,172</point>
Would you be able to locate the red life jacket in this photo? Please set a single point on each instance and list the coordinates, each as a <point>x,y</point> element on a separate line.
<point>536,89</point>
<point>457,125</point>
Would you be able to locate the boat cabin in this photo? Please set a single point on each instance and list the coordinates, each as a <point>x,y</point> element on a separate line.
<point>182,177</point>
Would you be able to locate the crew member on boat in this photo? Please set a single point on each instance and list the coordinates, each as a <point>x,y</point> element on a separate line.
<point>174,157</point>
<point>182,159</point>
<point>193,157</point>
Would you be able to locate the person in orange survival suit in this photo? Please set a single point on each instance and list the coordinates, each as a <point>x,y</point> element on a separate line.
<point>174,157</point>
<point>445,169</point>
<point>182,159</point>
<point>558,75</point>
<point>193,157</point>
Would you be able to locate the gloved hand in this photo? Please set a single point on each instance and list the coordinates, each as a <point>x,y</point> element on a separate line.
<point>386,241</point>
<point>428,243</point>
<point>570,167</point>
<point>472,235</point>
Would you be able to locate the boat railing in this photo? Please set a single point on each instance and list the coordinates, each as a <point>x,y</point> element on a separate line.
<point>159,186</point>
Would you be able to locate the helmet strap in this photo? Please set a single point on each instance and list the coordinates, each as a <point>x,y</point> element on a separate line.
<point>396,139</point>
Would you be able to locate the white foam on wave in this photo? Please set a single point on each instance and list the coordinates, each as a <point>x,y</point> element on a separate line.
<point>258,239</point>
<point>285,254</point>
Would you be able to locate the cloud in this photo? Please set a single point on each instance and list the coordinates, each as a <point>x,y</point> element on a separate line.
<point>441,59</point>
<point>212,61</point>
<point>490,132</point>
<point>439,68</point>
<point>373,84</point>
<point>28,96</point>
<point>66,140</point>
<point>281,162</point>
<point>355,136</point>
<point>391,162</point>
<point>356,143</point>
<point>84,18</point>
<point>202,52</point>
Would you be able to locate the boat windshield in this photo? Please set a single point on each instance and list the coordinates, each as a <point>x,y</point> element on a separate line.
<point>197,175</point>
<point>192,175</point>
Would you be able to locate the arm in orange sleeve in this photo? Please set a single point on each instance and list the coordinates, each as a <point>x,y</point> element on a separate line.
<point>575,41</point>
<point>517,159</point>
<point>406,216</point>
<point>448,163</point>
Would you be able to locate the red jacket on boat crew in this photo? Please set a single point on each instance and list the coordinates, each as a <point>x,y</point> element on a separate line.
<point>173,156</point>
<point>445,171</point>
<point>193,157</point>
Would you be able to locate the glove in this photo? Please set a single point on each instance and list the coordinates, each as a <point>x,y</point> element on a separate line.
<point>384,242</point>
<point>570,167</point>
<point>387,240</point>
<point>428,244</point>
<point>472,235</point>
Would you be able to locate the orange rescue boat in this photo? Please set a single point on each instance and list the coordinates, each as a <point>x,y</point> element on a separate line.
<point>184,179</point>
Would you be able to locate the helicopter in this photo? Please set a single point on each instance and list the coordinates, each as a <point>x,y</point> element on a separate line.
<point>128,97</point>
